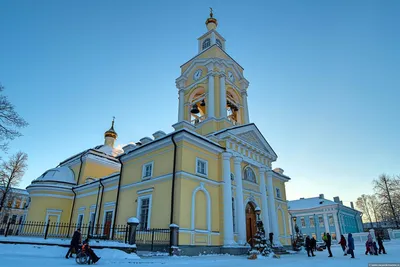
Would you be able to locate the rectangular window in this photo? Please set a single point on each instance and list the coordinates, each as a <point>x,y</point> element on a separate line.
<point>147,171</point>
<point>5,219</point>
<point>79,221</point>
<point>13,219</point>
<point>20,219</point>
<point>144,213</point>
<point>312,222</point>
<point>201,167</point>
<point>303,222</point>
<point>278,192</point>
<point>321,221</point>
<point>107,223</point>
<point>331,222</point>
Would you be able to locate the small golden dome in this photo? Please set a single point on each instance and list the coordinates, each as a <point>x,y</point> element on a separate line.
<point>211,22</point>
<point>111,132</point>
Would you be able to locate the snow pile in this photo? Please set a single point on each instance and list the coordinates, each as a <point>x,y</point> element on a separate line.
<point>116,254</point>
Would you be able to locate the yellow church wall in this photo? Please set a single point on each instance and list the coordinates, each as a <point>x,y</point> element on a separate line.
<point>162,164</point>
<point>281,185</point>
<point>39,206</point>
<point>84,202</point>
<point>192,152</point>
<point>94,170</point>
<point>160,192</point>
<point>185,205</point>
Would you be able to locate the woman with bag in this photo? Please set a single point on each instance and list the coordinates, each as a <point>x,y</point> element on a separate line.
<point>343,244</point>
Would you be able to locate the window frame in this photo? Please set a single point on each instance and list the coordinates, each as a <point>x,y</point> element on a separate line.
<point>144,177</point>
<point>330,216</point>
<point>208,40</point>
<point>80,215</point>
<point>278,192</point>
<point>205,167</point>
<point>139,211</point>
<point>321,222</point>
<point>303,220</point>
<point>313,221</point>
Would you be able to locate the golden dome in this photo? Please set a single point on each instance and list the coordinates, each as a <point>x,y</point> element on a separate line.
<point>210,21</point>
<point>111,132</point>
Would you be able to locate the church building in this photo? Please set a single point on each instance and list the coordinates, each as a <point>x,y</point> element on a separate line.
<point>209,176</point>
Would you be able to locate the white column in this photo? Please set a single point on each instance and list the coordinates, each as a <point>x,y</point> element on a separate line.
<point>213,39</point>
<point>264,202</point>
<point>211,94</point>
<point>228,217</point>
<point>240,201</point>
<point>326,223</point>
<point>245,108</point>
<point>272,209</point>
<point>181,113</point>
<point>337,229</point>
<point>222,98</point>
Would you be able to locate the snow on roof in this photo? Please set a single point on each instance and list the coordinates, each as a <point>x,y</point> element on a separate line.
<point>309,203</point>
<point>61,174</point>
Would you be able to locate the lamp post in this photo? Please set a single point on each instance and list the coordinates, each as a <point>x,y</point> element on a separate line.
<point>258,212</point>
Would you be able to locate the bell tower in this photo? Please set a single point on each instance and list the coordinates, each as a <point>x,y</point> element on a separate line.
<point>212,88</point>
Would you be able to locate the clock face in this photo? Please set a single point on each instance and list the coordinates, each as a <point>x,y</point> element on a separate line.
<point>197,74</point>
<point>231,77</point>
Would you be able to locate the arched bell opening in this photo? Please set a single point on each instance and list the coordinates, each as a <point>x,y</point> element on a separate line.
<point>232,107</point>
<point>197,106</point>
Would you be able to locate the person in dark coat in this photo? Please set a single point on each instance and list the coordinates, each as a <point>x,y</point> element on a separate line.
<point>76,240</point>
<point>313,244</point>
<point>271,239</point>
<point>309,247</point>
<point>375,248</point>
<point>350,241</point>
<point>343,244</point>
<point>328,244</point>
<point>380,244</point>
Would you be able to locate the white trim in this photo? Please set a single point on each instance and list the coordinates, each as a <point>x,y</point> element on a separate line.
<point>53,212</point>
<point>51,195</point>
<point>83,208</point>
<point>102,161</point>
<point>109,204</point>
<point>77,220</point>
<point>93,207</point>
<point>208,210</point>
<point>138,208</point>
<point>96,192</point>
<point>143,191</point>
<point>151,163</point>
<point>205,167</point>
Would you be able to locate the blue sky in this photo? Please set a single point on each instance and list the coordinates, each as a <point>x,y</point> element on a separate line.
<point>324,79</point>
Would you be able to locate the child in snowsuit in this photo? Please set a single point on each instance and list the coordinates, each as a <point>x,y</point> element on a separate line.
<point>369,246</point>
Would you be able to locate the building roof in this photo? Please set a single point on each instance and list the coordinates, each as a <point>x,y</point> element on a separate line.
<point>309,203</point>
<point>15,190</point>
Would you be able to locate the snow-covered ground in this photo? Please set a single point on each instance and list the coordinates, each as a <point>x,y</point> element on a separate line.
<point>42,256</point>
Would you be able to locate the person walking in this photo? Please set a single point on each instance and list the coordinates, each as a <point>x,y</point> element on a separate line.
<point>369,248</point>
<point>313,244</point>
<point>76,240</point>
<point>328,244</point>
<point>343,244</point>
<point>309,247</point>
<point>350,241</point>
<point>380,244</point>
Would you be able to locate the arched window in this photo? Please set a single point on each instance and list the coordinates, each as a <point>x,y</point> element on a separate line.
<point>219,43</point>
<point>206,43</point>
<point>249,175</point>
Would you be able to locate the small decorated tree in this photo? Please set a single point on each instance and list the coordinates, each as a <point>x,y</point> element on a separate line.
<point>261,247</point>
<point>298,240</point>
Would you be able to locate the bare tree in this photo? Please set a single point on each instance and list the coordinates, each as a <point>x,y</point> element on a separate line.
<point>387,190</point>
<point>362,204</point>
<point>375,207</point>
<point>10,121</point>
<point>11,173</point>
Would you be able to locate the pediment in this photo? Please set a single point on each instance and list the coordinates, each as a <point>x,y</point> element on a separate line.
<point>250,134</point>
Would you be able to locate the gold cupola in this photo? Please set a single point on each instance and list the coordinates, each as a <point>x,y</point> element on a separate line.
<point>110,136</point>
<point>211,22</point>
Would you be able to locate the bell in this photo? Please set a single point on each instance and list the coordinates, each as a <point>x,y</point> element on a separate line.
<point>202,103</point>
<point>195,109</point>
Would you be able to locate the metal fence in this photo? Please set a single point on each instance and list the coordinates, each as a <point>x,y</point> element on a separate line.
<point>153,239</point>
<point>64,230</point>
<point>146,240</point>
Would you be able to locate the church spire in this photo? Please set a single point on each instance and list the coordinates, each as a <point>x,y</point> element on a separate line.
<point>211,22</point>
<point>110,135</point>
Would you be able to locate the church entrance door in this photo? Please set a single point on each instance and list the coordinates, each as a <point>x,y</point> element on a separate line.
<point>251,224</point>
